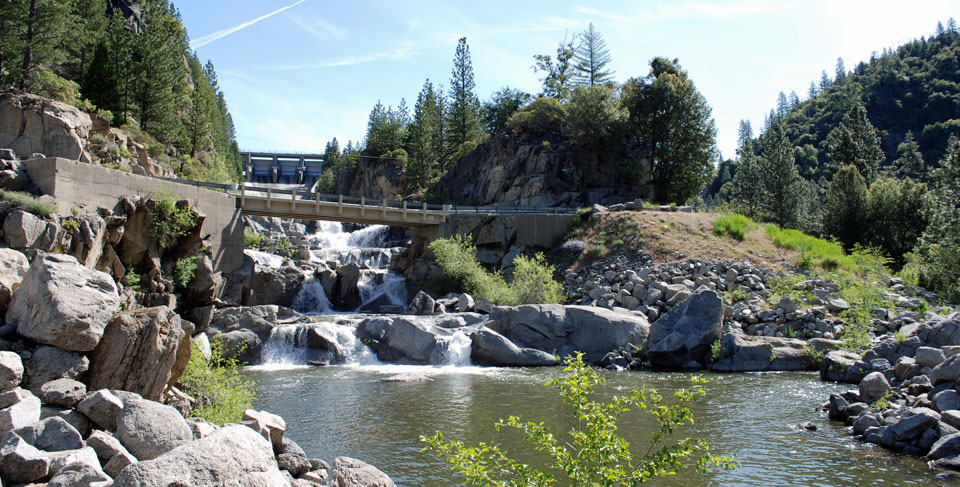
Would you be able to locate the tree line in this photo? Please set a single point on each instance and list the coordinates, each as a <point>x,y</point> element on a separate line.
<point>579,105</point>
<point>132,64</point>
<point>824,165</point>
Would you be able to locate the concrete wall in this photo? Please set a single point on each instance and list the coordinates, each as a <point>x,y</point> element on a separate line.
<point>78,184</point>
<point>538,230</point>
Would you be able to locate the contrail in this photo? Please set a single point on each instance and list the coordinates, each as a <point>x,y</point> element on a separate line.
<point>207,39</point>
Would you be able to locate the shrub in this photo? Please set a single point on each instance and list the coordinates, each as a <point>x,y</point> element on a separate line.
<point>222,394</point>
<point>716,348</point>
<point>735,295</point>
<point>71,226</point>
<point>816,356</point>
<point>542,115</point>
<point>734,224</point>
<point>170,220</point>
<point>456,256</point>
<point>184,270</point>
<point>15,199</point>
<point>131,279</point>
<point>594,454</point>
<point>252,240</point>
<point>533,281</point>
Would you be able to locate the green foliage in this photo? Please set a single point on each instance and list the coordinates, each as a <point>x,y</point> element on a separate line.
<point>884,402</point>
<point>716,349</point>
<point>284,247</point>
<point>49,84</point>
<point>815,356</point>
<point>781,186</point>
<point>131,279</point>
<point>936,262</point>
<point>593,453</point>
<point>70,225</point>
<point>828,255</point>
<point>735,295</point>
<point>672,118</point>
<point>899,336</point>
<point>591,59</point>
<point>895,216</point>
<point>184,269</point>
<point>252,240</point>
<point>845,211</point>
<point>170,219</point>
<point>558,72</point>
<point>222,393</point>
<point>855,142</point>
<point>502,105</point>
<point>594,116</point>
<point>733,224</point>
<point>786,286</point>
<point>543,115</point>
<point>863,295</point>
<point>15,199</point>
<point>463,118</point>
<point>533,281</point>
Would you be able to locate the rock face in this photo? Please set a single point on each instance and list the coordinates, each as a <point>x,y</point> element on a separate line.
<point>684,334</point>
<point>11,370</point>
<point>64,304</point>
<point>23,230</point>
<point>560,329</point>
<point>350,472</point>
<point>139,352</point>
<point>380,180</point>
<point>232,455</point>
<point>13,266</point>
<point>149,429</point>
<point>742,353</point>
<point>33,124</point>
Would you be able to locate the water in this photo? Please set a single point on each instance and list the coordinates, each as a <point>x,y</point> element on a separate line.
<point>346,410</point>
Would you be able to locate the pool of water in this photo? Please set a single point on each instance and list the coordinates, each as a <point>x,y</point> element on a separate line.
<point>334,411</point>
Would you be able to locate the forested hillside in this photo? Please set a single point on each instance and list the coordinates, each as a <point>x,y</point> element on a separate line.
<point>130,62</point>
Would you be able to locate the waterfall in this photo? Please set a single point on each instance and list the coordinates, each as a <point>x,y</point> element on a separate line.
<point>454,350</point>
<point>312,298</point>
<point>284,347</point>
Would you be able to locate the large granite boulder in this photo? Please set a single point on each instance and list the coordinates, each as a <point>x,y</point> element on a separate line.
<point>13,266</point>
<point>493,349</point>
<point>841,366</point>
<point>275,286</point>
<point>743,353</point>
<point>350,472</point>
<point>149,429</point>
<point>21,461</point>
<point>683,336</point>
<point>65,393</point>
<point>51,434</point>
<point>139,352</point>
<point>64,304</point>
<point>11,370</point>
<point>562,330</point>
<point>24,230</point>
<point>232,455</point>
<point>944,332</point>
<point>33,124</point>
<point>50,363</point>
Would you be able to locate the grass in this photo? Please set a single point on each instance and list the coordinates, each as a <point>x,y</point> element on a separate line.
<point>827,255</point>
<point>733,224</point>
<point>25,202</point>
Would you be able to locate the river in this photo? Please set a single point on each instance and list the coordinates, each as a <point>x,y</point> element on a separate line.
<point>346,410</point>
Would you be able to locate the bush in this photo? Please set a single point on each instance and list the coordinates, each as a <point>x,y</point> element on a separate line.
<point>131,279</point>
<point>252,240</point>
<point>734,224</point>
<point>542,115</point>
<point>594,454</point>
<point>184,270</point>
<point>594,116</point>
<point>17,200</point>
<point>221,392</point>
<point>170,220</point>
<point>533,281</point>
<point>71,226</point>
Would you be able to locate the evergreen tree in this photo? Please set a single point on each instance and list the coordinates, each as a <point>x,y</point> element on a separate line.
<point>591,59</point>
<point>108,82</point>
<point>744,134</point>
<point>951,26</point>
<point>746,190</point>
<point>909,160</point>
<point>939,247</point>
<point>840,75</point>
<point>825,82</point>
<point>812,92</point>
<point>503,104</point>
<point>201,111</point>
<point>783,106</point>
<point>89,22</point>
<point>895,215</point>
<point>386,130</point>
<point>845,210</point>
<point>794,100</point>
<point>558,74</point>
<point>594,116</point>
<point>855,141</point>
<point>781,186</point>
<point>424,159</point>
<point>440,134</point>
<point>674,121</point>
<point>44,23</point>
<point>464,116</point>
<point>939,31</point>
<point>160,77</point>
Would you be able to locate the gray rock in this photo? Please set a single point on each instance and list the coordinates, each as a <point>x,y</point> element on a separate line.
<point>51,363</point>
<point>490,348</point>
<point>23,230</point>
<point>51,434</point>
<point>59,460</point>
<point>740,353</point>
<point>929,356</point>
<point>142,351</point>
<point>64,304</point>
<point>268,425</point>
<point>947,371</point>
<point>11,370</point>
<point>105,444</point>
<point>13,396</point>
<point>864,422</point>
<point>952,418</point>
<point>76,419</point>
<point>13,266</point>
<point>201,428</point>
<point>102,407</point>
<point>873,387</point>
<point>944,333</point>
<point>350,472</point>
<point>685,333</point>
<point>946,400</point>
<point>465,303</point>
<point>484,306</point>
<point>64,393</point>
<point>947,446</point>
<point>118,462</point>
<point>149,429</point>
<point>841,366</point>
<point>80,474</point>
<point>422,304</point>
<point>22,413</point>
<point>21,462</point>
<point>232,455</point>
<point>290,457</point>
<point>910,427</point>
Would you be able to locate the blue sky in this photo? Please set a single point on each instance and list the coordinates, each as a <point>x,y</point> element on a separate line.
<point>297,73</point>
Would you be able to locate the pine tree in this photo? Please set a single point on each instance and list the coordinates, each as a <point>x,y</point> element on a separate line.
<point>44,24</point>
<point>845,209</point>
<point>794,100</point>
<point>951,25</point>
<point>939,31</point>
<point>841,72</point>
<point>825,82</point>
<point>940,245</point>
<point>559,73</point>
<point>591,59</point>
<point>424,154</point>
<point>909,160</point>
<point>780,183</point>
<point>855,141</point>
<point>746,187</point>
<point>89,22</point>
<point>464,115</point>
<point>783,106</point>
<point>812,92</point>
<point>744,134</point>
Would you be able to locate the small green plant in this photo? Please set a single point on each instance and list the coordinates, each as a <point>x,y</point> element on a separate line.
<point>883,402</point>
<point>184,270</point>
<point>131,279</point>
<point>284,247</point>
<point>222,393</point>
<point>773,354</point>
<point>593,454</point>
<point>735,295</point>
<point>124,152</point>
<point>252,240</point>
<point>598,250</point>
<point>734,224</point>
<point>170,220</point>
<point>815,356</point>
<point>618,242</point>
<point>99,139</point>
<point>716,348</point>
<point>14,199</point>
<point>75,210</point>
<point>899,336</point>
<point>789,332</point>
<point>785,286</point>
<point>71,226</point>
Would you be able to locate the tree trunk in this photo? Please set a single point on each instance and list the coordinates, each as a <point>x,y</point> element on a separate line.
<point>28,48</point>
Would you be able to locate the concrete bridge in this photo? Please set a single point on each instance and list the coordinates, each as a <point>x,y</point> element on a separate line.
<point>281,168</point>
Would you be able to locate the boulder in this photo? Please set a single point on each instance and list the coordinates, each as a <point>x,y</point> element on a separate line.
<point>269,425</point>
<point>105,444</point>
<point>490,348</point>
<point>24,230</point>
<point>59,460</point>
<point>275,285</point>
<point>422,304</point>
<point>742,353</point>
<point>232,455</point>
<point>873,387</point>
<point>411,338</point>
<point>13,266</point>
<point>840,366</point>
<point>118,462</point>
<point>79,474</point>
<point>947,371</point>
<point>290,457</point>
<point>102,407</point>
<point>139,352</point>
<point>350,472</point>
<point>50,363</point>
<point>685,333</point>
<point>13,396</point>
<point>64,304</point>
<point>944,333</point>
<point>946,400</point>
<point>465,303</point>
<point>947,446</point>
<point>149,429</point>
<point>11,370</point>
<point>21,462</point>
<point>64,393</point>
<point>563,330</point>
<point>206,285</point>
<point>76,419</point>
<point>51,434</point>
<point>928,356</point>
<point>24,412</point>
<point>346,294</point>
<point>912,426</point>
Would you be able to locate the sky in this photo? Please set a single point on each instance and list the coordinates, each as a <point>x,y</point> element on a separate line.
<point>297,73</point>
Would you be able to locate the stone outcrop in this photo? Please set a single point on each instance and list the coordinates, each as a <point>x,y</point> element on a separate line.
<point>682,337</point>
<point>13,266</point>
<point>32,124</point>
<point>493,349</point>
<point>350,472</point>
<point>61,303</point>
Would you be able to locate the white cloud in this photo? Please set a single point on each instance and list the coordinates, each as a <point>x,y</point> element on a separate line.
<point>317,27</point>
<point>207,39</point>
<point>397,54</point>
